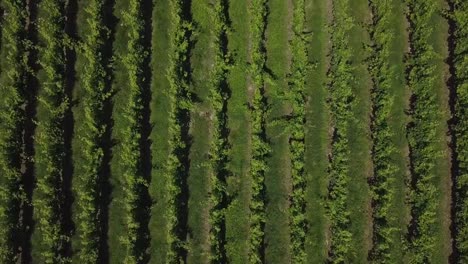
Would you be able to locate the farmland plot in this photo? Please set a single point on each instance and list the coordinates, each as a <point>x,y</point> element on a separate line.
<point>233,131</point>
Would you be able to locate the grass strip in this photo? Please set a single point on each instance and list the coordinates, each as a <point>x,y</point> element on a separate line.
<point>207,174</point>
<point>317,139</point>
<point>278,179</point>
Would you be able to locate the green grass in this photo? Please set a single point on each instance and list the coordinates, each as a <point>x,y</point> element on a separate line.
<point>278,175</point>
<point>359,137</point>
<point>399,120</point>
<point>443,165</point>
<point>204,219</point>
<point>163,189</point>
<point>317,125</point>
<point>50,237</point>
<point>239,188</point>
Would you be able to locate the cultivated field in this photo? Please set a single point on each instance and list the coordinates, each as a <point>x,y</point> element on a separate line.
<point>233,131</point>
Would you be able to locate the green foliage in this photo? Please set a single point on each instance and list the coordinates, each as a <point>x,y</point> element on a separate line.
<point>240,109</point>
<point>91,130</point>
<point>245,216</point>
<point>131,181</point>
<point>424,134</point>
<point>388,173</point>
<point>13,59</point>
<point>50,152</point>
<point>296,128</point>
<point>219,144</point>
<point>260,147</point>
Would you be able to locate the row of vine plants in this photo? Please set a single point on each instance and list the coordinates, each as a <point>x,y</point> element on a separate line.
<point>424,132</point>
<point>167,184</point>
<point>92,130</point>
<point>131,181</point>
<point>389,176</point>
<point>296,129</point>
<point>239,181</point>
<point>218,97</point>
<point>51,238</point>
<point>260,147</point>
<point>341,103</point>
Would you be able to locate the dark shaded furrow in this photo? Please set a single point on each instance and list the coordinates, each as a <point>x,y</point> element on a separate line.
<point>28,136</point>
<point>459,104</point>
<point>13,117</point>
